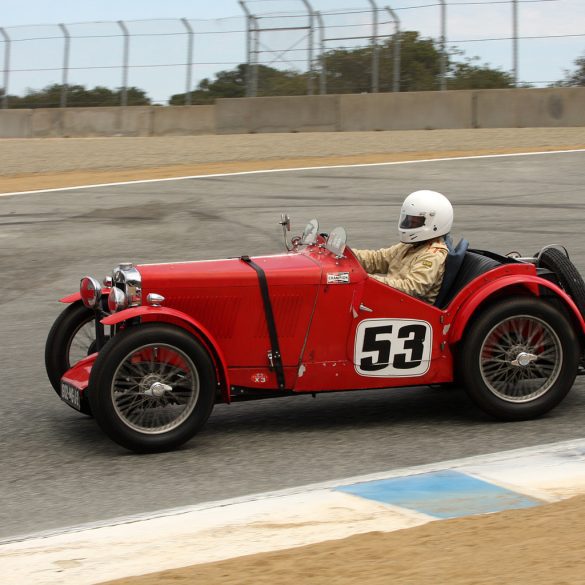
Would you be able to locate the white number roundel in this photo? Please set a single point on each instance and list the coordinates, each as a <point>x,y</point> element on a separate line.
<point>392,348</point>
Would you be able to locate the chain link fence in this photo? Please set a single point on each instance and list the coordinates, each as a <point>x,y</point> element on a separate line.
<point>155,59</point>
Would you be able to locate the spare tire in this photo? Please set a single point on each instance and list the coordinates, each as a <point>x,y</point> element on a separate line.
<point>569,278</point>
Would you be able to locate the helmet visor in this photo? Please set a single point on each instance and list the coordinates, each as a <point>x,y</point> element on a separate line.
<point>410,222</point>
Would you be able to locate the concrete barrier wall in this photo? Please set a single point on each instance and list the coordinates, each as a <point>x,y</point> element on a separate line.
<point>527,108</point>
<point>405,111</point>
<point>78,122</point>
<point>88,122</point>
<point>506,108</point>
<point>278,114</point>
<point>183,120</point>
<point>15,124</point>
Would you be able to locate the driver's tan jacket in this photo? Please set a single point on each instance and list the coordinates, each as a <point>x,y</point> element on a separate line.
<point>416,269</point>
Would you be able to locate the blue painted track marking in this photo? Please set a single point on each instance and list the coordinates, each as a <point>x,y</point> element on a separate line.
<point>443,494</point>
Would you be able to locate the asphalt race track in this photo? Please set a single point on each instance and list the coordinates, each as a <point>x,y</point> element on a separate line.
<point>58,469</point>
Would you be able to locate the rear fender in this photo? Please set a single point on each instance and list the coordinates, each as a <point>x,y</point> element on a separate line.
<point>174,317</point>
<point>532,284</point>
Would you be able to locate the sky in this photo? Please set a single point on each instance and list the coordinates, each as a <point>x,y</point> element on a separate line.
<point>159,43</point>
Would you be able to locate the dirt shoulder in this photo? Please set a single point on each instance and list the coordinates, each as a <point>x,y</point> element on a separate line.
<point>536,546</point>
<point>67,162</point>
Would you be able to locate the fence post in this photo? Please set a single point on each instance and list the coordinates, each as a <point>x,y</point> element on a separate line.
<point>65,73</point>
<point>311,13</point>
<point>323,65</point>
<point>255,54</point>
<point>6,76</point>
<point>251,70</point>
<point>375,49</point>
<point>397,42</point>
<point>124,96</point>
<point>189,61</point>
<point>515,41</point>
<point>443,45</point>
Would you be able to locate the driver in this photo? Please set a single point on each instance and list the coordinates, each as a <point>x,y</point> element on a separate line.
<point>416,265</point>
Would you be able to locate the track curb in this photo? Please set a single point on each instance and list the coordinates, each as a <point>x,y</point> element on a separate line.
<point>394,500</point>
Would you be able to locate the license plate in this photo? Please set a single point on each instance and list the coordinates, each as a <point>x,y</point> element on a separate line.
<point>71,395</point>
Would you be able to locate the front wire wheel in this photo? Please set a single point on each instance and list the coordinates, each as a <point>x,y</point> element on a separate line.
<point>71,338</point>
<point>155,389</point>
<point>519,358</point>
<point>152,387</point>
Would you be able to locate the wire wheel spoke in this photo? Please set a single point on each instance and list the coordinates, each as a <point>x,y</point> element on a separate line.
<point>80,342</point>
<point>155,388</point>
<point>521,358</point>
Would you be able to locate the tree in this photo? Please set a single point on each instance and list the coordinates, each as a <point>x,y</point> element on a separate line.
<point>576,77</point>
<point>232,83</point>
<point>77,96</point>
<point>466,75</point>
<point>350,70</point>
<point>420,62</point>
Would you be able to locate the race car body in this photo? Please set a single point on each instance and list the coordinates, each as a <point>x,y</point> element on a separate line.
<point>173,339</point>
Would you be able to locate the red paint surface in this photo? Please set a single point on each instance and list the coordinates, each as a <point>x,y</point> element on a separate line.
<point>220,303</point>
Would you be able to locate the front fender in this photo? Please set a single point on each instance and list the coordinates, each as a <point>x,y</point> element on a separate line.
<point>76,296</point>
<point>531,283</point>
<point>167,315</point>
<point>72,298</point>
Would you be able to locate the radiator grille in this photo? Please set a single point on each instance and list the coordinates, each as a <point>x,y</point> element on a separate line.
<point>287,310</point>
<point>218,314</point>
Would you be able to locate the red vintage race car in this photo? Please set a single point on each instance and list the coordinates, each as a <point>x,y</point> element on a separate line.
<point>150,352</point>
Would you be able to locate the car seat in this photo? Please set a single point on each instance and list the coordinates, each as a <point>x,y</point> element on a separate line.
<point>475,263</point>
<point>453,263</point>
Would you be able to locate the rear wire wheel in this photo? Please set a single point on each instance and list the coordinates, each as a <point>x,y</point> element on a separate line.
<point>152,387</point>
<point>519,359</point>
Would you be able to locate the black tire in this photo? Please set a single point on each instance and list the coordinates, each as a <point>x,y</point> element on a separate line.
<point>152,388</point>
<point>71,337</point>
<point>542,342</point>
<point>569,278</point>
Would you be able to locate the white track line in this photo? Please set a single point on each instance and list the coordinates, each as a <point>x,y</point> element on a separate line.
<point>297,169</point>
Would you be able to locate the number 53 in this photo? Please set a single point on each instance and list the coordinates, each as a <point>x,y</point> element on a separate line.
<point>393,347</point>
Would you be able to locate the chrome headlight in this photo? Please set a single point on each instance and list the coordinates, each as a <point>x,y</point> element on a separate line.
<point>90,291</point>
<point>128,280</point>
<point>117,300</point>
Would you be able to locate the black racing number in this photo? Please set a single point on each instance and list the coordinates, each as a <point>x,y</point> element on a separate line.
<point>394,348</point>
<point>382,346</point>
<point>415,340</point>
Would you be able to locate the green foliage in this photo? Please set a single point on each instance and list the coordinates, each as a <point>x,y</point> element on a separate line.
<point>232,83</point>
<point>350,71</point>
<point>420,62</point>
<point>466,75</point>
<point>576,77</point>
<point>77,96</point>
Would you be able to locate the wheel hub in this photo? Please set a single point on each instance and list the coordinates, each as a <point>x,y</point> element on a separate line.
<point>153,386</point>
<point>524,359</point>
<point>158,389</point>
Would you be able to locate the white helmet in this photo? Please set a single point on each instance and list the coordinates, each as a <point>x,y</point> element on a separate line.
<point>424,215</point>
